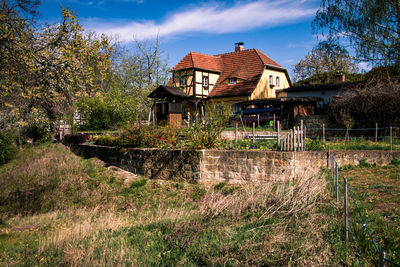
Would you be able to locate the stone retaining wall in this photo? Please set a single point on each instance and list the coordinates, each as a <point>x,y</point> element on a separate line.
<point>222,165</point>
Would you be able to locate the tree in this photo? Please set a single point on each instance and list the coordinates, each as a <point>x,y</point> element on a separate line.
<point>137,71</point>
<point>370,27</point>
<point>377,100</point>
<point>322,64</point>
<point>43,71</point>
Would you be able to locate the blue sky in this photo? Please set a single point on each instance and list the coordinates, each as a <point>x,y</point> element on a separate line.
<point>279,28</point>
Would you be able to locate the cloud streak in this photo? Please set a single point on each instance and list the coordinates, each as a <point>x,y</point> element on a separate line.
<point>212,18</point>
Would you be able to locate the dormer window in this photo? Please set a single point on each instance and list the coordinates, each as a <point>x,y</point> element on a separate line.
<point>232,81</point>
<point>183,81</point>
<point>205,81</point>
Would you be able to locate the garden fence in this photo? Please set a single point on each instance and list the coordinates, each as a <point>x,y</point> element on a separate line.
<point>383,259</point>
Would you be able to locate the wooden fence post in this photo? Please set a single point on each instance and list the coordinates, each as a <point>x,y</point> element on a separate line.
<point>236,133</point>
<point>254,132</point>
<point>258,120</point>
<point>302,134</point>
<point>294,138</point>
<point>376,132</point>
<point>279,134</point>
<point>305,138</point>
<point>274,122</point>
<point>323,132</point>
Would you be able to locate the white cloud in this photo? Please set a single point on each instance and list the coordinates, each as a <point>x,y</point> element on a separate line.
<point>212,18</point>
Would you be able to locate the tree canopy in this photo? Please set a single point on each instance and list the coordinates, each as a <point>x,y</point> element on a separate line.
<point>371,28</point>
<point>322,64</point>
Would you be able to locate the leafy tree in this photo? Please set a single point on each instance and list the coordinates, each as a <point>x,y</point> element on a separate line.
<point>137,71</point>
<point>322,64</point>
<point>370,27</point>
<point>45,70</point>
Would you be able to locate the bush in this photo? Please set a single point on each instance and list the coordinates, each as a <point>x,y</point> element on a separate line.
<point>395,162</point>
<point>8,148</point>
<point>75,138</point>
<point>315,145</point>
<point>39,132</point>
<point>108,141</point>
<point>96,114</point>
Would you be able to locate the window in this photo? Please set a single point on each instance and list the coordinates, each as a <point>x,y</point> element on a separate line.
<point>277,82</point>
<point>271,80</point>
<point>232,81</point>
<point>205,81</point>
<point>183,81</point>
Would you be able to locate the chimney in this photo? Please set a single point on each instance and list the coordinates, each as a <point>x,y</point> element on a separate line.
<point>239,47</point>
<point>340,78</point>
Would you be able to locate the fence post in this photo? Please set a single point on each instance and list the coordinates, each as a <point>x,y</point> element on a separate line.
<point>382,256</point>
<point>323,132</point>
<point>305,137</point>
<point>346,210</point>
<point>294,138</point>
<point>258,120</point>
<point>337,183</point>
<point>254,132</point>
<point>328,163</point>
<point>333,167</point>
<point>236,133</point>
<point>275,121</point>
<point>376,132</point>
<point>302,134</point>
<point>391,138</point>
<point>291,140</point>
<point>279,133</point>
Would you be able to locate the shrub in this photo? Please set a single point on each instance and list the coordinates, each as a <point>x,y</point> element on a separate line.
<point>8,148</point>
<point>39,132</point>
<point>108,141</point>
<point>76,138</point>
<point>315,145</point>
<point>395,162</point>
<point>365,164</point>
<point>96,113</point>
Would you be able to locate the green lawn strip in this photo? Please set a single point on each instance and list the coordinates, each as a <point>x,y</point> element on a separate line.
<point>377,192</point>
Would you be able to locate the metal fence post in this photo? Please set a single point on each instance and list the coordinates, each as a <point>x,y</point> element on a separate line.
<point>337,182</point>
<point>382,256</point>
<point>346,210</point>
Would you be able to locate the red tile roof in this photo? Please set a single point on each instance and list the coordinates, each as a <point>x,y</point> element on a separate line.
<point>247,66</point>
<point>200,61</point>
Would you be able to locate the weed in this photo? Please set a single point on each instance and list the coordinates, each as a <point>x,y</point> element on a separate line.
<point>395,162</point>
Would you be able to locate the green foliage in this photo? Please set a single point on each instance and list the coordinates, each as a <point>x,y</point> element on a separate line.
<point>315,145</point>
<point>365,164</point>
<point>205,132</point>
<point>105,140</point>
<point>8,148</point>
<point>219,186</point>
<point>138,183</point>
<point>148,136</point>
<point>95,113</point>
<point>39,132</point>
<point>395,162</point>
<point>371,28</point>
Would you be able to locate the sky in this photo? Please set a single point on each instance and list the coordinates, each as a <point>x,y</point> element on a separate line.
<point>281,29</point>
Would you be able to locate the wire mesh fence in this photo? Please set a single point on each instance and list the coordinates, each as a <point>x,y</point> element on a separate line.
<point>349,232</point>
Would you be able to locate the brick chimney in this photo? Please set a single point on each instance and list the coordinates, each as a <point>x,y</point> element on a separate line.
<point>239,47</point>
<point>340,78</point>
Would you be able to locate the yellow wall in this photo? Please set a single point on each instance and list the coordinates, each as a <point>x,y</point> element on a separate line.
<point>189,83</point>
<point>228,100</point>
<point>264,90</point>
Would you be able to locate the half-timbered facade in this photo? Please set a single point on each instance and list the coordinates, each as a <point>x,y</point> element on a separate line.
<point>228,78</point>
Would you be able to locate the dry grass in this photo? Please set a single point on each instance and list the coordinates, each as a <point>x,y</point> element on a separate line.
<point>167,222</point>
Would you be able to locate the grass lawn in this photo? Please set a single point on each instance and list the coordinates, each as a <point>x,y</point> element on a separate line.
<point>59,209</point>
<point>377,192</point>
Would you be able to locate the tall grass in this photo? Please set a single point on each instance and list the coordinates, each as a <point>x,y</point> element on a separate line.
<point>155,222</point>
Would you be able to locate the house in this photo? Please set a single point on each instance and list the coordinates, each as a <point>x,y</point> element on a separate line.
<point>227,78</point>
<point>324,91</point>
